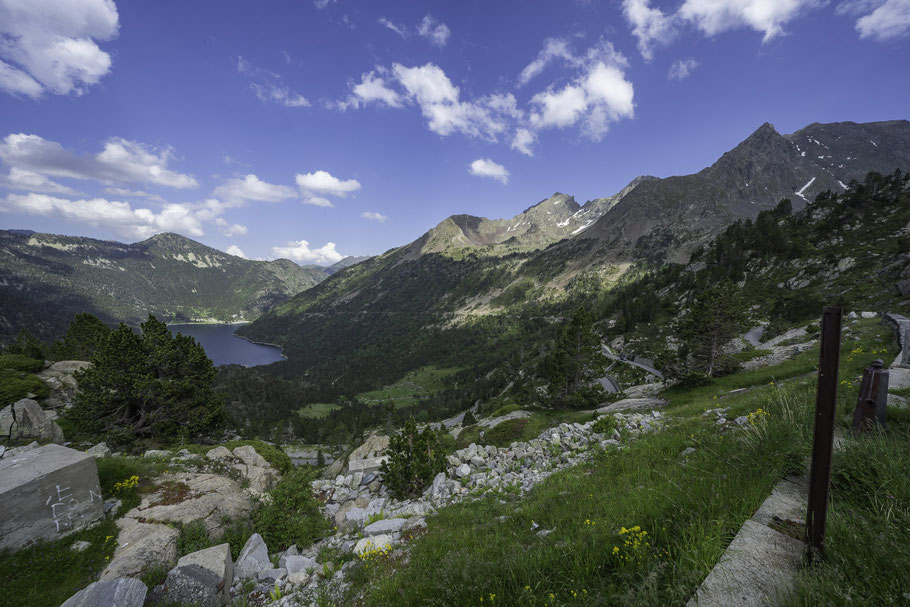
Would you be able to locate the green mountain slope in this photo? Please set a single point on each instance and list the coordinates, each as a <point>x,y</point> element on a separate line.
<point>45,279</point>
<point>458,297</point>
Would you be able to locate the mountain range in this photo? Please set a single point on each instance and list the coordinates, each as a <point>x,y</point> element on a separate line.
<point>470,272</point>
<point>46,279</point>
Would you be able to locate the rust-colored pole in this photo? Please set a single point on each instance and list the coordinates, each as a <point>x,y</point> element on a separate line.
<point>823,439</point>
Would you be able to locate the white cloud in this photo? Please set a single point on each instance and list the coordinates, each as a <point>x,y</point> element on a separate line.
<point>887,20</point>
<point>17,82</point>
<point>436,32</point>
<point>484,167</point>
<point>230,229</point>
<point>121,160</point>
<point>236,251</point>
<point>523,140</point>
<point>20,179</point>
<point>682,69</point>
<point>300,252</point>
<point>323,182</point>
<point>650,26</point>
<point>269,86</point>
<point>401,30</point>
<point>321,4</point>
<point>439,100</point>
<point>133,194</point>
<point>553,49</point>
<point>379,217</point>
<point>238,190</point>
<point>598,97</point>
<point>118,217</point>
<point>317,201</point>
<point>49,45</point>
<point>766,16</point>
<point>371,88</point>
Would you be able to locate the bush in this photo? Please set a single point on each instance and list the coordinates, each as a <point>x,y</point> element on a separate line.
<point>20,362</point>
<point>505,410</point>
<point>605,425</point>
<point>693,379</point>
<point>414,459</point>
<point>236,533</point>
<point>16,385</point>
<point>193,537</point>
<point>293,515</point>
<point>506,433</point>
<point>469,419</point>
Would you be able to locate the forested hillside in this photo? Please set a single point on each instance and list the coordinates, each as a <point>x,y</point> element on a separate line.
<point>47,279</point>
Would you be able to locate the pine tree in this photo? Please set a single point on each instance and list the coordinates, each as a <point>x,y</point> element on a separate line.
<point>82,338</point>
<point>151,385</point>
<point>717,315</point>
<point>576,360</point>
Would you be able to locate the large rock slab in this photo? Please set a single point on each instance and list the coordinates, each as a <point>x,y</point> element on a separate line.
<point>256,469</point>
<point>200,578</point>
<point>634,404</point>
<point>26,419</point>
<point>367,465</point>
<point>46,493</point>
<point>189,497</point>
<point>372,447</point>
<point>253,558</point>
<point>384,526</point>
<point>120,592</point>
<point>758,569</point>
<point>141,546</point>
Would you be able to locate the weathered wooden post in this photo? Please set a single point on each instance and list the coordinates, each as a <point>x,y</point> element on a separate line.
<point>823,438</point>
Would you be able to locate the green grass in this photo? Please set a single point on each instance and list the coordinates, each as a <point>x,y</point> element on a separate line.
<point>690,508</point>
<point>17,379</point>
<point>46,575</point>
<point>317,410</point>
<point>867,555</point>
<point>417,384</point>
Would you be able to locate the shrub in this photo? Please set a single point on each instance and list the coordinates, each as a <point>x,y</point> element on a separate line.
<point>469,419</point>
<point>506,433</point>
<point>20,362</point>
<point>605,425</point>
<point>193,537</point>
<point>693,379</point>
<point>16,385</point>
<point>293,515</point>
<point>505,410</point>
<point>414,459</point>
<point>236,533</point>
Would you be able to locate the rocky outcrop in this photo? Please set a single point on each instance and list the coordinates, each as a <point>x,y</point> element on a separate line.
<point>201,578</point>
<point>141,546</point>
<point>255,469</point>
<point>46,493</point>
<point>253,558</point>
<point>60,378</point>
<point>26,419</point>
<point>120,592</point>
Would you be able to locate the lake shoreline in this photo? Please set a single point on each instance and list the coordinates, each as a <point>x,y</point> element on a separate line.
<point>222,346</point>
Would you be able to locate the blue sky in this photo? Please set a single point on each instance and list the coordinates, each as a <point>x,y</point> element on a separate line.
<point>318,129</point>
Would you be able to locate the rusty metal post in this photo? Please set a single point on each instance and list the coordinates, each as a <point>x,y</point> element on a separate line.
<point>872,400</point>
<point>823,438</point>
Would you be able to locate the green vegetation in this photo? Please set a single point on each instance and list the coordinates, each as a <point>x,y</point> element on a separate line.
<point>866,550</point>
<point>575,362</point>
<point>45,575</point>
<point>717,315</point>
<point>17,380</point>
<point>678,515</point>
<point>85,335</point>
<point>415,457</point>
<point>411,388</point>
<point>193,536</point>
<point>292,516</point>
<point>152,386</point>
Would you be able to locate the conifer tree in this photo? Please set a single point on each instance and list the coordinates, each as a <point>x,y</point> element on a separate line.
<point>576,360</point>
<point>717,315</point>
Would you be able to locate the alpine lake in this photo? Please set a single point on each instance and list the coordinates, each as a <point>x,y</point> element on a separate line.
<point>225,348</point>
